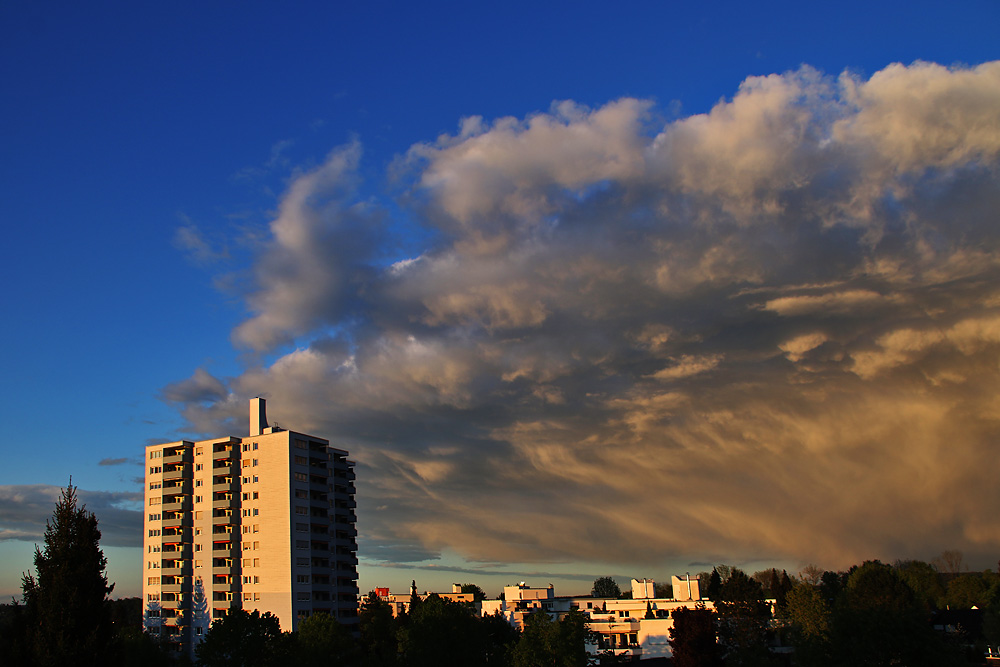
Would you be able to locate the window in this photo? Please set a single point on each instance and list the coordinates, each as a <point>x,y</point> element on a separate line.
<point>246,512</point>
<point>302,562</point>
<point>303,595</point>
<point>256,512</point>
<point>255,480</point>
<point>197,499</point>
<point>153,581</point>
<point>199,451</point>
<point>302,527</point>
<point>302,544</point>
<point>301,477</point>
<point>302,510</point>
<point>256,528</point>
<point>154,485</point>
<point>247,579</point>
<point>198,466</point>
<point>156,454</point>
<point>255,462</point>
<point>246,447</point>
<point>246,480</point>
<point>301,460</point>
<point>198,630</point>
<point>197,563</point>
<point>256,495</point>
<point>301,444</point>
<point>256,545</point>
<point>153,597</point>
<point>197,482</point>
<point>154,517</point>
<point>255,446</point>
<point>302,578</point>
<point>256,596</point>
<point>246,463</point>
<point>154,532</point>
<point>246,546</point>
<point>154,501</point>
<point>198,514</point>
<point>248,597</point>
<point>299,493</point>
<point>197,547</point>
<point>197,531</point>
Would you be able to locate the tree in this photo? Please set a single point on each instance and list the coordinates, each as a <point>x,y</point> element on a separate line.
<point>809,616</point>
<point>242,639</point>
<point>441,631</point>
<point>545,642</point>
<point>692,638</point>
<point>378,644</point>
<point>478,594</point>
<point>65,601</point>
<point>878,620</point>
<point>606,587</point>
<point>925,581</point>
<point>714,585</point>
<point>743,619</point>
<point>322,640</point>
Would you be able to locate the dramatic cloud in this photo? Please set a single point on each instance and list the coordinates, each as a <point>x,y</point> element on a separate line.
<point>25,510</point>
<point>767,331</point>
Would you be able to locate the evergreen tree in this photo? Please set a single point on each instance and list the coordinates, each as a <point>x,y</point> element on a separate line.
<point>65,600</point>
<point>743,619</point>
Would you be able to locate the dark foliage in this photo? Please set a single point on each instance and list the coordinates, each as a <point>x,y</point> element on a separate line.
<point>692,639</point>
<point>66,619</point>
<point>242,639</point>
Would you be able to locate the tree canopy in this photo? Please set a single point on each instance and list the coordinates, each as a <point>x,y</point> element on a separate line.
<point>606,587</point>
<point>65,600</point>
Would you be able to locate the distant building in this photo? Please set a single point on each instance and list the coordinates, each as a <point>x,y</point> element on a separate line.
<point>637,627</point>
<point>262,523</point>
<point>400,603</point>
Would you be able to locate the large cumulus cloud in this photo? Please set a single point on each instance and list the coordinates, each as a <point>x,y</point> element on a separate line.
<point>767,331</point>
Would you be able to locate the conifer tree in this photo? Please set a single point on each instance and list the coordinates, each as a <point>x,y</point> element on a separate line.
<point>65,598</point>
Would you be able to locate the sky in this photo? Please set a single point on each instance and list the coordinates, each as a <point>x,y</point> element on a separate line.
<point>584,290</point>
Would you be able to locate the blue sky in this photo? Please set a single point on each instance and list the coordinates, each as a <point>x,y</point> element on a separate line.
<point>153,154</point>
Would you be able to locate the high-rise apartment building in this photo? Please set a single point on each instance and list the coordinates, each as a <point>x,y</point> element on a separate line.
<point>262,523</point>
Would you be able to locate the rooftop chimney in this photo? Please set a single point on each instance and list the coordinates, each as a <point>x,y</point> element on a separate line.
<point>258,416</point>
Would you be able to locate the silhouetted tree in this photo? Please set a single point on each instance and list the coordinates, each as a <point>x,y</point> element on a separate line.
<point>378,644</point>
<point>692,638</point>
<point>242,639</point>
<point>878,621</point>
<point>606,587</point>
<point>478,594</point>
<point>743,618</point>
<point>714,585</point>
<point>66,600</point>
<point>442,632</point>
<point>500,639</point>
<point>321,641</point>
<point>545,642</point>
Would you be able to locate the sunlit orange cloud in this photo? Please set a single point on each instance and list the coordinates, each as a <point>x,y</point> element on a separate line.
<point>767,331</point>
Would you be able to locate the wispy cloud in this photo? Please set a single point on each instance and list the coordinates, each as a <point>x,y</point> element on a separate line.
<point>769,330</point>
<point>113,462</point>
<point>25,510</point>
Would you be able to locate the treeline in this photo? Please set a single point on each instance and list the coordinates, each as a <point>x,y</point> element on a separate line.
<point>872,614</point>
<point>433,632</point>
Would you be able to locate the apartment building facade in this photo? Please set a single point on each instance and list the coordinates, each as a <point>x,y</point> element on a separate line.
<point>265,523</point>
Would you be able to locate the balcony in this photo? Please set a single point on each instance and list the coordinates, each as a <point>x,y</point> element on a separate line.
<point>225,487</point>
<point>179,473</point>
<point>177,521</point>
<point>222,548</point>
<point>178,456</point>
